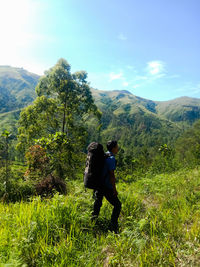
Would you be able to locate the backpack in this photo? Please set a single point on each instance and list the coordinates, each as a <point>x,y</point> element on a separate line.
<point>94,166</point>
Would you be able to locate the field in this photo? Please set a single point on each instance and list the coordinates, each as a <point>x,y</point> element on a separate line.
<point>159,226</point>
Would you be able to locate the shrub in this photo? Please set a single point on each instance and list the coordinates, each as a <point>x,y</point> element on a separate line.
<point>50,184</point>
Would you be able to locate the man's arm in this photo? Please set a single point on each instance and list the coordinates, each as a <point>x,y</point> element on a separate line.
<point>113,180</point>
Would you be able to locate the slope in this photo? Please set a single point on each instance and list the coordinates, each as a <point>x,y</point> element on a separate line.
<point>132,120</point>
<point>17,88</point>
<point>181,110</point>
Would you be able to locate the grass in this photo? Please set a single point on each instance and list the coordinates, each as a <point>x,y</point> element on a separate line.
<point>159,226</point>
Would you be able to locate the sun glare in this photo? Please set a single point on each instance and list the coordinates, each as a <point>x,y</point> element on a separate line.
<point>14,20</point>
<point>17,20</point>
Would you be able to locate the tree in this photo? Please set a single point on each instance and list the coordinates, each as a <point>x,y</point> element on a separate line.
<point>58,114</point>
<point>63,100</point>
<point>188,145</point>
<point>4,147</point>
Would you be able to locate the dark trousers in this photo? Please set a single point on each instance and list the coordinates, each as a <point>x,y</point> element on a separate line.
<point>108,194</point>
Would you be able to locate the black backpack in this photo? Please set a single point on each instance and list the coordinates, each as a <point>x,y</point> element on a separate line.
<point>94,166</point>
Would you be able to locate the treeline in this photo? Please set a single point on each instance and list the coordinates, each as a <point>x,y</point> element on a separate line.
<point>183,153</point>
<point>55,130</point>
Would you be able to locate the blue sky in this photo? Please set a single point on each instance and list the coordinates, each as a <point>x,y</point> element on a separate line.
<point>148,47</point>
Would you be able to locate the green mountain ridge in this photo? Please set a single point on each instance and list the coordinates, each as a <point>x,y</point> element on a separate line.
<point>182,109</point>
<point>17,89</point>
<point>126,117</point>
<point>133,120</point>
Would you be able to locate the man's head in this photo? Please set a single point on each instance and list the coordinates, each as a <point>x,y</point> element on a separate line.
<point>112,146</point>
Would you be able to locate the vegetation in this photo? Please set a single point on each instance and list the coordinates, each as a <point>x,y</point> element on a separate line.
<point>159,226</point>
<point>46,212</point>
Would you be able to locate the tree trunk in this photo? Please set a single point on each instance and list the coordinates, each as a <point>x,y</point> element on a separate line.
<point>64,117</point>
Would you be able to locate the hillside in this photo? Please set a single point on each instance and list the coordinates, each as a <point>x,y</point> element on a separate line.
<point>181,110</point>
<point>17,88</point>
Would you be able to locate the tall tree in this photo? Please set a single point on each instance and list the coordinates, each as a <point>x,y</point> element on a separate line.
<point>62,100</point>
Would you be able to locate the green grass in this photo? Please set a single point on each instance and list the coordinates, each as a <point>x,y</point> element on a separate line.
<point>159,226</point>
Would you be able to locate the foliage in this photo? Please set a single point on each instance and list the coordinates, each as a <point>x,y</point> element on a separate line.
<point>63,153</point>
<point>165,160</point>
<point>41,166</point>
<point>49,185</point>
<point>188,146</point>
<point>18,188</point>
<point>4,154</point>
<point>37,164</point>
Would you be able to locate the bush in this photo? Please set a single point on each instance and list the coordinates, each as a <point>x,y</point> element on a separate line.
<point>38,164</point>
<point>50,184</point>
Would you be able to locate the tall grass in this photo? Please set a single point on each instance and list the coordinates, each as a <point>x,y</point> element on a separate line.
<point>159,226</point>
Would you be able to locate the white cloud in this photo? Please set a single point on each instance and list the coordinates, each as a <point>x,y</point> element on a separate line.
<point>156,68</point>
<point>115,76</point>
<point>125,84</point>
<point>122,37</point>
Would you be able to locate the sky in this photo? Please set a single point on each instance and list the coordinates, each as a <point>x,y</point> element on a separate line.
<point>148,47</point>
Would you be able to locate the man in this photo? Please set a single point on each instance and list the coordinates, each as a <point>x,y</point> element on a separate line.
<point>109,187</point>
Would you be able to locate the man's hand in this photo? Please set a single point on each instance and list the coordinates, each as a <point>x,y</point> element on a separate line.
<point>112,181</point>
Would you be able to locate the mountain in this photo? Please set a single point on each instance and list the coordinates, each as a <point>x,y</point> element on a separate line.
<point>133,120</point>
<point>183,110</point>
<point>180,110</point>
<point>136,121</point>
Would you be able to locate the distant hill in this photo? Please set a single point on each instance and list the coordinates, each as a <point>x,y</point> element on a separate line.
<point>181,110</point>
<point>17,88</point>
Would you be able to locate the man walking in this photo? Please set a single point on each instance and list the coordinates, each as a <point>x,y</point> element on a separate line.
<point>108,188</point>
